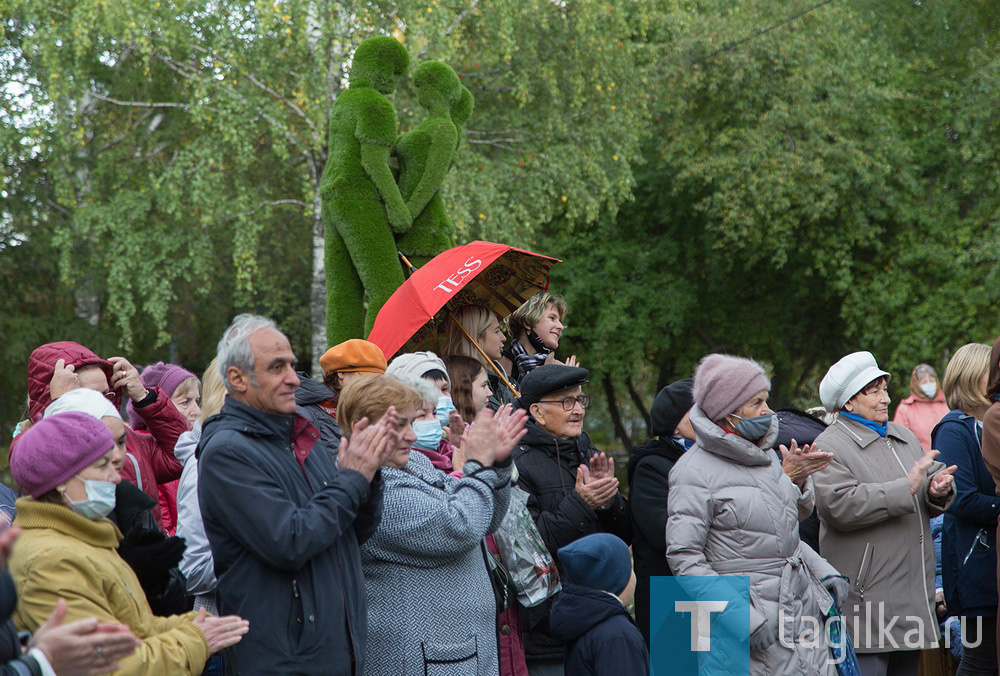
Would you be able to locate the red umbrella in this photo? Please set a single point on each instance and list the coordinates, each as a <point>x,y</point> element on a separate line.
<point>497,276</point>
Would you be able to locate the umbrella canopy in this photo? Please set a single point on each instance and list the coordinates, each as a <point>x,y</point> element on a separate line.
<point>496,276</point>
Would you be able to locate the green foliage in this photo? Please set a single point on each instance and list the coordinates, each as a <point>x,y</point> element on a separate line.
<point>182,145</point>
<point>360,197</point>
<point>808,193</point>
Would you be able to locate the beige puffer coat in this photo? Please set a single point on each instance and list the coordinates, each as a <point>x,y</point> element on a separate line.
<point>733,511</point>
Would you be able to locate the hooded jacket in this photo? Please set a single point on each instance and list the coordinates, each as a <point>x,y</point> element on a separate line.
<point>152,453</point>
<point>601,638</point>
<point>733,511</point>
<point>309,396</point>
<point>968,535</point>
<point>285,525</point>
<point>877,533</point>
<point>648,480</point>
<point>547,473</point>
<point>61,554</point>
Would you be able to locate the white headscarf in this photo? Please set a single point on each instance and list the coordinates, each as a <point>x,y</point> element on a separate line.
<point>83,400</point>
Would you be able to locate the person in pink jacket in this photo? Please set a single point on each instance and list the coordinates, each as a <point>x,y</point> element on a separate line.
<point>925,406</point>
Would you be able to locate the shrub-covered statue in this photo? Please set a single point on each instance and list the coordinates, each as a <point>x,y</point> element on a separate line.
<point>366,215</point>
<point>425,155</point>
<point>360,198</point>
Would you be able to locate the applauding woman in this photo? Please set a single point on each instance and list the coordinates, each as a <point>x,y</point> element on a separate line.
<point>874,501</point>
<point>424,566</point>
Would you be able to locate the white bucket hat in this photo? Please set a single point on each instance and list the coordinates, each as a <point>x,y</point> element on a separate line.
<point>847,377</point>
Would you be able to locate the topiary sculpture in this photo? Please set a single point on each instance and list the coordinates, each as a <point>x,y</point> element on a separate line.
<point>361,200</point>
<point>425,155</point>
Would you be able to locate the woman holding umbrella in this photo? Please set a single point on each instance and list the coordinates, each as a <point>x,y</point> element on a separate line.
<point>487,340</point>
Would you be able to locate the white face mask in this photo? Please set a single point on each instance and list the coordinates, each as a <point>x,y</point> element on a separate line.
<point>929,390</point>
<point>100,499</point>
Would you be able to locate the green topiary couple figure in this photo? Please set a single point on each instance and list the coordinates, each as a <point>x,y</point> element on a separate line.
<point>367,216</point>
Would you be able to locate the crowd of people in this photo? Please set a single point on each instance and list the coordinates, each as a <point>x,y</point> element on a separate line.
<point>256,520</point>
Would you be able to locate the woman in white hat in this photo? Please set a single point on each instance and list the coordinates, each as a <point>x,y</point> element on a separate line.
<point>874,502</point>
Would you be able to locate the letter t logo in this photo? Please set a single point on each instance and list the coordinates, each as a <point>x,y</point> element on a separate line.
<point>701,621</point>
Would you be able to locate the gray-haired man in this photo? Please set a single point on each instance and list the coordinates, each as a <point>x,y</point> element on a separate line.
<point>285,522</point>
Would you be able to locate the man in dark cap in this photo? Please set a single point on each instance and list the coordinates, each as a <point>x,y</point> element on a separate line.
<point>571,486</point>
<point>648,470</point>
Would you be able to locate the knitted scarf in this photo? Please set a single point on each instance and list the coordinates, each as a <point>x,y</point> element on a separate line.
<point>524,362</point>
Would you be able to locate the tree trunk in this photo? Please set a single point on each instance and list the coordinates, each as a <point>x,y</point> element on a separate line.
<point>317,294</point>
<point>616,417</point>
<point>640,405</point>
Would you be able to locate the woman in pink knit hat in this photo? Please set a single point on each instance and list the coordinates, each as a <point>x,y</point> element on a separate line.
<point>733,511</point>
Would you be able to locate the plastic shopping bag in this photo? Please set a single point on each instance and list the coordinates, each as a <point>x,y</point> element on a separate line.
<point>524,554</point>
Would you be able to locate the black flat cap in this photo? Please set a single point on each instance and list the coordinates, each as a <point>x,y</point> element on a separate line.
<point>669,407</point>
<point>548,379</point>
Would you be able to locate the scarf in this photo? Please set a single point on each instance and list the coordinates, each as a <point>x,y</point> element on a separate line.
<point>881,428</point>
<point>524,363</point>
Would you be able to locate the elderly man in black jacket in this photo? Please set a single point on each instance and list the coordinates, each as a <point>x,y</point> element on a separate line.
<point>648,481</point>
<point>571,486</point>
<point>283,519</point>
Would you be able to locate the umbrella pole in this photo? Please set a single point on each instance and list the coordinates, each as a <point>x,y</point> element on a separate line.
<point>489,361</point>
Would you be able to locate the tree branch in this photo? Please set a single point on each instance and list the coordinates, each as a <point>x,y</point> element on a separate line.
<point>139,104</point>
<point>274,203</point>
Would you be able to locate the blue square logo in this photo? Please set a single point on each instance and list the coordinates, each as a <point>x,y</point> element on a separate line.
<point>700,625</point>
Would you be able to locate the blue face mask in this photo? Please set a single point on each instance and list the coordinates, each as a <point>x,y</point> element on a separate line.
<point>444,408</point>
<point>100,500</point>
<point>429,434</point>
<point>753,429</point>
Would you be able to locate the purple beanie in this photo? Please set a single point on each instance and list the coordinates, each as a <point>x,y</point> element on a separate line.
<point>723,383</point>
<point>56,449</point>
<point>164,376</point>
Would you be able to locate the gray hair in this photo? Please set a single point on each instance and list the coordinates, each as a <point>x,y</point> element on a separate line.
<point>426,388</point>
<point>234,347</point>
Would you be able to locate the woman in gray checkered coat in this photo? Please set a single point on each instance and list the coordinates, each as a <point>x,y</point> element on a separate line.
<point>431,607</point>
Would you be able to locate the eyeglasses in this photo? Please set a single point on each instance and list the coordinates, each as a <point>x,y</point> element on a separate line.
<point>569,403</point>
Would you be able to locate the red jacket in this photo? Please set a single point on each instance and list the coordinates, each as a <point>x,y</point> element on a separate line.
<point>153,453</point>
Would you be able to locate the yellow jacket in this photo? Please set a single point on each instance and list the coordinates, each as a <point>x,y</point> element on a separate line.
<point>62,554</point>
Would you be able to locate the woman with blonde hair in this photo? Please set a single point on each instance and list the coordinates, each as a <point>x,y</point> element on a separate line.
<point>483,326</point>
<point>535,329</point>
<point>968,538</point>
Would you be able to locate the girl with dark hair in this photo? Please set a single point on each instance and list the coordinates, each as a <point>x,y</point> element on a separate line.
<point>470,387</point>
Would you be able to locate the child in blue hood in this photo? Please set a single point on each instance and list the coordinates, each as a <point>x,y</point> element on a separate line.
<point>590,614</point>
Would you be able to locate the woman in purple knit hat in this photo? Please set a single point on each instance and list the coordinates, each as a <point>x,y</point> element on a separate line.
<point>184,390</point>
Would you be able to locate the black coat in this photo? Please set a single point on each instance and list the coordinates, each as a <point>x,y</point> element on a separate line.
<point>547,473</point>
<point>804,428</point>
<point>308,396</point>
<point>602,639</point>
<point>12,661</point>
<point>648,474</point>
<point>285,539</point>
